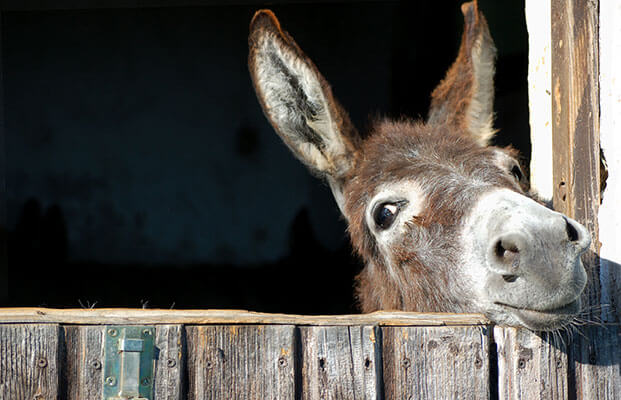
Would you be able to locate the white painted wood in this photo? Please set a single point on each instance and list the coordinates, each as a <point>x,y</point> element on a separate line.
<point>538,23</point>
<point>610,141</point>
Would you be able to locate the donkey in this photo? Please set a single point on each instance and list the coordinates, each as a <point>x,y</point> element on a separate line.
<point>443,221</point>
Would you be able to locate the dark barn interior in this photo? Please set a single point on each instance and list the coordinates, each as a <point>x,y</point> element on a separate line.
<point>141,172</point>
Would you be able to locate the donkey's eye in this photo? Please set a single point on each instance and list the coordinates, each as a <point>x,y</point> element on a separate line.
<point>385,214</point>
<point>517,172</point>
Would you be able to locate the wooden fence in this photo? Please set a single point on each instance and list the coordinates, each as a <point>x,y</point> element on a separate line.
<point>62,354</point>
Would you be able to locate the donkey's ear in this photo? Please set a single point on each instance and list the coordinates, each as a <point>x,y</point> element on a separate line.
<point>298,101</point>
<point>465,98</point>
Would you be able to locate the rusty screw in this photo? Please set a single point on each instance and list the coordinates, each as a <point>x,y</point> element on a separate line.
<point>171,363</point>
<point>112,332</point>
<point>96,364</point>
<point>42,362</point>
<point>111,381</point>
<point>282,362</point>
<point>406,363</point>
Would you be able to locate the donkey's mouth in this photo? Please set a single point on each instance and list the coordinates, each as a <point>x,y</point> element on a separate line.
<point>544,319</point>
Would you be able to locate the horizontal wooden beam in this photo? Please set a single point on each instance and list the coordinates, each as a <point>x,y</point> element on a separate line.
<point>125,316</point>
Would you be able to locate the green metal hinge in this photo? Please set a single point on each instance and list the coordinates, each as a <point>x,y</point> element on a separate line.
<point>129,358</point>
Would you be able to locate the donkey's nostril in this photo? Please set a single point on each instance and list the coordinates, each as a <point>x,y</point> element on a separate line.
<point>572,233</point>
<point>509,278</point>
<point>506,249</point>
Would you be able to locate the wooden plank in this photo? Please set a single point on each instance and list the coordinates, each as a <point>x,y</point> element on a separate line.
<point>241,362</point>
<point>577,175</point>
<point>530,365</point>
<point>575,133</point>
<point>436,363</point>
<point>595,363</point>
<point>29,361</point>
<point>83,362</point>
<point>120,316</point>
<point>170,342</point>
<point>341,362</point>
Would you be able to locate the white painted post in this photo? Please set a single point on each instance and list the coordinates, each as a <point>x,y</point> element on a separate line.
<point>610,141</point>
<point>538,23</point>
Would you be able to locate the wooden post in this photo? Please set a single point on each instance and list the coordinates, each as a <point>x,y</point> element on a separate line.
<point>594,356</point>
<point>340,362</point>
<point>241,362</point>
<point>529,366</point>
<point>438,363</point>
<point>29,361</point>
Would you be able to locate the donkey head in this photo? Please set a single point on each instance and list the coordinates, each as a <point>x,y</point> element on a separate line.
<point>442,220</point>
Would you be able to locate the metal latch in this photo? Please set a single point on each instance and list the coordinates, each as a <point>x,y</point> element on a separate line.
<point>129,358</point>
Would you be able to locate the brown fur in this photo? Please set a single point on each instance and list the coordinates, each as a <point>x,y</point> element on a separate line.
<point>447,157</point>
<point>443,156</point>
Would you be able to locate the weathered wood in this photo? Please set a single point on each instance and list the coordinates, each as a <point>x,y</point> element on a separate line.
<point>83,362</point>
<point>170,342</point>
<point>341,362</point>
<point>438,363</point>
<point>530,366</point>
<point>241,362</point>
<point>575,75</point>
<point>120,316</point>
<point>595,363</point>
<point>29,361</point>
<point>575,133</point>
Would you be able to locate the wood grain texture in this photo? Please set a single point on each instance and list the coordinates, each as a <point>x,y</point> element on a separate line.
<point>575,108</point>
<point>341,362</point>
<point>29,367</point>
<point>241,362</point>
<point>575,132</point>
<point>83,362</point>
<point>595,363</point>
<point>530,367</point>
<point>121,316</point>
<point>438,363</point>
<point>169,364</point>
